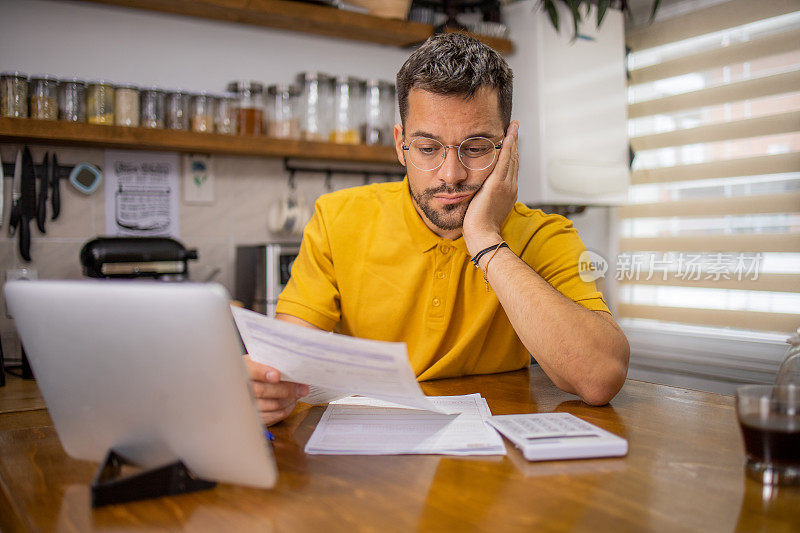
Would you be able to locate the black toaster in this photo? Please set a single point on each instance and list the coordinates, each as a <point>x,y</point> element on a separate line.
<point>136,257</point>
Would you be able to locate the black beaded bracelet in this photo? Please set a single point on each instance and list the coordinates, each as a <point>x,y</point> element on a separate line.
<point>485,251</point>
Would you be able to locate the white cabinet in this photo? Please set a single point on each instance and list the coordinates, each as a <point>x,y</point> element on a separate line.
<point>570,100</point>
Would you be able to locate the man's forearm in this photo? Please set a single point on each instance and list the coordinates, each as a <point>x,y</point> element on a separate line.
<point>581,351</point>
<point>294,320</point>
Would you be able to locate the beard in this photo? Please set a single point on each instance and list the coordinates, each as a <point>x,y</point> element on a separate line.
<point>447,217</point>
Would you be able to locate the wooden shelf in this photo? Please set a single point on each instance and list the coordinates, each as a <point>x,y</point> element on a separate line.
<point>72,134</point>
<point>302,17</point>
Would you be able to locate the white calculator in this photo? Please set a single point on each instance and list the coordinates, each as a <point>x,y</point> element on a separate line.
<point>552,436</point>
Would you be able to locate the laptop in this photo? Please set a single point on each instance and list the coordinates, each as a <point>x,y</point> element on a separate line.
<point>152,370</point>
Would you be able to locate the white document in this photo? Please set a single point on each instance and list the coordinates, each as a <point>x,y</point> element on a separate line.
<point>320,395</point>
<point>364,426</point>
<point>334,365</point>
<point>141,193</point>
<point>548,436</point>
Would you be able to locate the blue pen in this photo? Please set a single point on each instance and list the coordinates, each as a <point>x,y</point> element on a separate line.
<point>268,434</point>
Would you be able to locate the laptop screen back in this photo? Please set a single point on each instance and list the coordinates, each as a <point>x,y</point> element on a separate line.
<point>152,370</point>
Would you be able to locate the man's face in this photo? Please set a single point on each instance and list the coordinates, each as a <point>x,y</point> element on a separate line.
<point>442,196</point>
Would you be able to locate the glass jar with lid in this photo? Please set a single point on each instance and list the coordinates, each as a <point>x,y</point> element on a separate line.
<point>282,119</point>
<point>225,114</point>
<point>72,100</point>
<point>202,112</point>
<point>100,102</point>
<point>789,371</point>
<point>249,106</point>
<point>379,106</point>
<point>126,105</point>
<point>14,97</point>
<point>316,105</point>
<point>178,110</point>
<point>348,106</point>
<point>152,104</point>
<point>43,90</point>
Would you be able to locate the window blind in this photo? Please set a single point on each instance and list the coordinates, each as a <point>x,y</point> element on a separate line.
<point>711,236</point>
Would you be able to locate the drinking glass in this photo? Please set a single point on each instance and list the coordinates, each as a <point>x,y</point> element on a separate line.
<point>769,416</point>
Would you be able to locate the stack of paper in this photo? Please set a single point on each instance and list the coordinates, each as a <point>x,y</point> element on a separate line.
<point>334,366</point>
<point>391,415</point>
<point>364,426</point>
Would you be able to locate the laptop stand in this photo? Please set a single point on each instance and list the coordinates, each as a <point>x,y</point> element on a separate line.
<point>108,487</point>
<point>27,373</point>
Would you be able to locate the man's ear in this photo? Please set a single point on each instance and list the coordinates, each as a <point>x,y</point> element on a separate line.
<point>398,144</point>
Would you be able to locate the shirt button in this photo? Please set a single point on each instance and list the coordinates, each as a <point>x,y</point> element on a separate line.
<point>440,275</point>
<point>445,248</point>
<point>436,302</point>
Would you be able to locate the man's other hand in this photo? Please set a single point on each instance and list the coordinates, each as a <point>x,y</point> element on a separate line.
<point>275,399</point>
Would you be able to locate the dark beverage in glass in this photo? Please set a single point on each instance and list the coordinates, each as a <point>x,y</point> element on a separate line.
<point>770,420</point>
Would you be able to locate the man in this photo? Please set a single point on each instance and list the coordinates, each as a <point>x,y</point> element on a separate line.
<point>392,261</point>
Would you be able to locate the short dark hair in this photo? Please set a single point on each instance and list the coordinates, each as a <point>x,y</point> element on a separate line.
<point>455,64</point>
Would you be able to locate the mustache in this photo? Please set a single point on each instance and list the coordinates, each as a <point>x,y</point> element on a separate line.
<point>455,189</point>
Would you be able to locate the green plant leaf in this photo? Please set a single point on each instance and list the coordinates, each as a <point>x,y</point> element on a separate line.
<point>552,12</point>
<point>656,3</point>
<point>574,7</point>
<point>602,7</point>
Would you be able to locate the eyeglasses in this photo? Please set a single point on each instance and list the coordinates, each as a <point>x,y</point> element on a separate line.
<point>475,153</point>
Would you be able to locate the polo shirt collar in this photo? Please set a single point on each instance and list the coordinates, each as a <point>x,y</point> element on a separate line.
<point>422,236</point>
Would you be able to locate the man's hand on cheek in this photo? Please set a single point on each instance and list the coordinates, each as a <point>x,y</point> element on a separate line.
<point>495,199</point>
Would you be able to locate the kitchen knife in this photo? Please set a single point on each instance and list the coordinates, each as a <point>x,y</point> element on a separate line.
<point>27,204</point>
<point>13,219</point>
<point>41,205</point>
<point>55,195</point>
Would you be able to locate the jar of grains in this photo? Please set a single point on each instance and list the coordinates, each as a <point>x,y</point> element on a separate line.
<point>282,119</point>
<point>378,113</point>
<point>152,102</point>
<point>348,105</point>
<point>178,110</point>
<point>202,112</point>
<point>249,106</point>
<point>100,103</point>
<point>316,105</point>
<point>44,97</point>
<point>225,114</point>
<point>14,97</point>
<point>72,100</point>
<point>126,105</point>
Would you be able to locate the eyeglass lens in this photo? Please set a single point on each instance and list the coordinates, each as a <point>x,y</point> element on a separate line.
<point>477,153</point>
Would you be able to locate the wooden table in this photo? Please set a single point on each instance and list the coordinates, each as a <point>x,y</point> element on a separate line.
<point>684,472</point>
<point>22,405</point>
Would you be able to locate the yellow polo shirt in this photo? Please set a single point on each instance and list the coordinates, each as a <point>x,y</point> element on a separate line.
<point>370,267</point>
